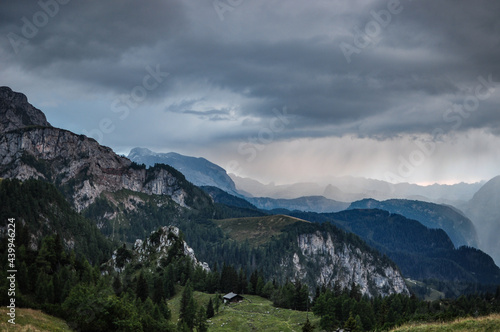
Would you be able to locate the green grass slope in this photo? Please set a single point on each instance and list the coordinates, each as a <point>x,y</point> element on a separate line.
<point>32,320</point>
<point>488,323</point>
<point>257,230</point>
<point>253,314</point>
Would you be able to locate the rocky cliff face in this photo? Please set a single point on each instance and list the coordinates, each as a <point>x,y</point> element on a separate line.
<point>81,167</point>
<point>343,264</point>
<point>161,245</point>
<point>16,112</point>
<point>80,164</point>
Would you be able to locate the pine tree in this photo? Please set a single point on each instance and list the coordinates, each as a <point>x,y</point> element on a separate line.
<point>142,290</point>
<point>187,313</point>
<point>86,273</point>
<point>44,290</point>
<point>268,289</point>
<point>148,307</point>
<point>22,277</point>
<point>359,323</point>
<point>217,302</point>
<point>328,322</point>
<point>117,285</point>
<point>317,293</point>
<point>301,297</point>
<point>158,293</point>
<point>254,277</point>
<point>351,325</point>
<point>201,320</point>
<point>229,279</point>
<point>210,309</point>
<point>355,292</point>
<point>169,286</point>
<point>165,311</point>
<point>57,288</point>
<point>242,282</point>
<point>46,259</point>
<point>307,327</point>
<point>260,286</point>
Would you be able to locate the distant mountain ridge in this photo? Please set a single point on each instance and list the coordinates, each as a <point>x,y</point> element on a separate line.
<point>350,189</point>
<point>458,227</point>
<point>306,203</point>
<point>484,211</point>
<point>198,171</point>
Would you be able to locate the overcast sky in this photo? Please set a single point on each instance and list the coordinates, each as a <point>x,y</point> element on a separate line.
<point>282,91</point>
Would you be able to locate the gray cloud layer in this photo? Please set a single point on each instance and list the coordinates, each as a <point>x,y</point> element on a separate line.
<point>413,69</point>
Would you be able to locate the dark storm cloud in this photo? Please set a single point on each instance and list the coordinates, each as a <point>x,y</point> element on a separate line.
<point>272,54</point>
<point>98,43</point>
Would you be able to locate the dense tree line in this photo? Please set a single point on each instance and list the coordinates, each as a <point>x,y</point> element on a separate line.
<point>71,284</point>
<point>66,285</point>
<point>40,209</point>
<point>348,309</point>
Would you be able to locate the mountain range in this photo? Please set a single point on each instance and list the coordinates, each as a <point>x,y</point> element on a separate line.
<point>126,200</point>
<point>350,189</point>
<point>467,212</point>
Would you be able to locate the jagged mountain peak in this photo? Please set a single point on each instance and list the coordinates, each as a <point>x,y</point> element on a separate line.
<point>79,166</point>
<point>16,112</point>
<point>162,245</point>
<point>138,151</point>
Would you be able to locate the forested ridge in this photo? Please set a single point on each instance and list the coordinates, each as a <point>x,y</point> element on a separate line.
<point>60,257</point>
